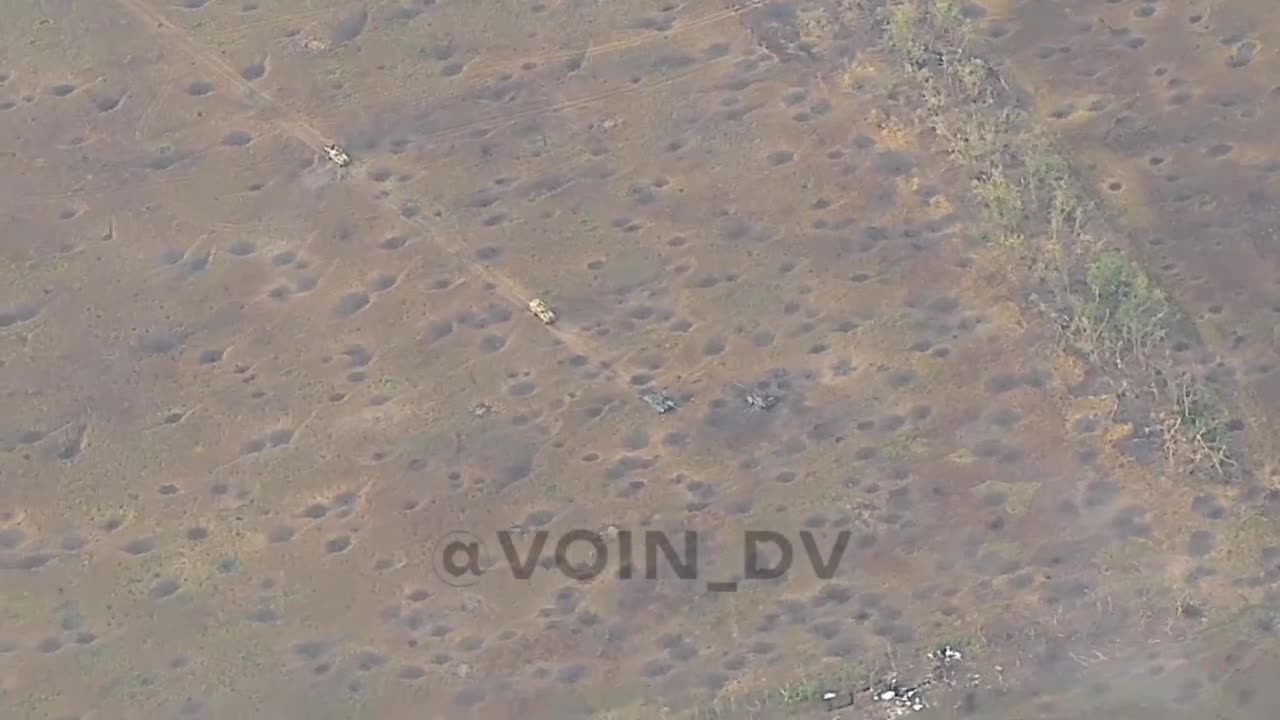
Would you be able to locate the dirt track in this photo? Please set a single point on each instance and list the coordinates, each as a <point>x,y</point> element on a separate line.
<point>245,392</point>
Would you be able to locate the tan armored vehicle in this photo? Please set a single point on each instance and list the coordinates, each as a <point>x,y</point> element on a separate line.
<point>337,155</point>
<point>544,312</point>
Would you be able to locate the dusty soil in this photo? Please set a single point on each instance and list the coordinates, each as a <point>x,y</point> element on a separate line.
<point>246,391</point>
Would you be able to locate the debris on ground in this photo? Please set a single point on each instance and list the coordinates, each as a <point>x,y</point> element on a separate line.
<point>305,43</point>
<point>337,155</point>
<point>481,409</point>
<point>760,402</point>
<point>756,400</point>
<point>659,401</point>
<point>944,660</point>
<point>543,311</point>
<point>607,124</point>
<point>837,700</point>
<point>945,655</point>
<point>898,698</point>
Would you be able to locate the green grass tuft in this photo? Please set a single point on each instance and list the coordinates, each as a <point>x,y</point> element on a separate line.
<point>1125,315</point>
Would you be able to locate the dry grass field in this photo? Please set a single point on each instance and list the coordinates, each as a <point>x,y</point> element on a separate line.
<point>1008,272</point>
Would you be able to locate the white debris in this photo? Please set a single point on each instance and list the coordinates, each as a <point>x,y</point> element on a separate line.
<point>837,701</point>
<point>896,699</point>
<point>945,654</point>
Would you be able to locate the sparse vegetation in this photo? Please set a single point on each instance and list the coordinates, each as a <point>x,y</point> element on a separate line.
<point>1002,199</point>
<point>1107,307</point>
<point>1194,414</point>
<point>925,32</point>
<point>1054,188</point>
<point>974,135</point>
<point>803,691</point>
<point>1124,314</point>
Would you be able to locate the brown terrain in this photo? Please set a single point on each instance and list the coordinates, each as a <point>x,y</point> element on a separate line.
<point>246,392</point>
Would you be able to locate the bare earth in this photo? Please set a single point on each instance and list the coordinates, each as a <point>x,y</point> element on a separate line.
<point>245,391</point>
